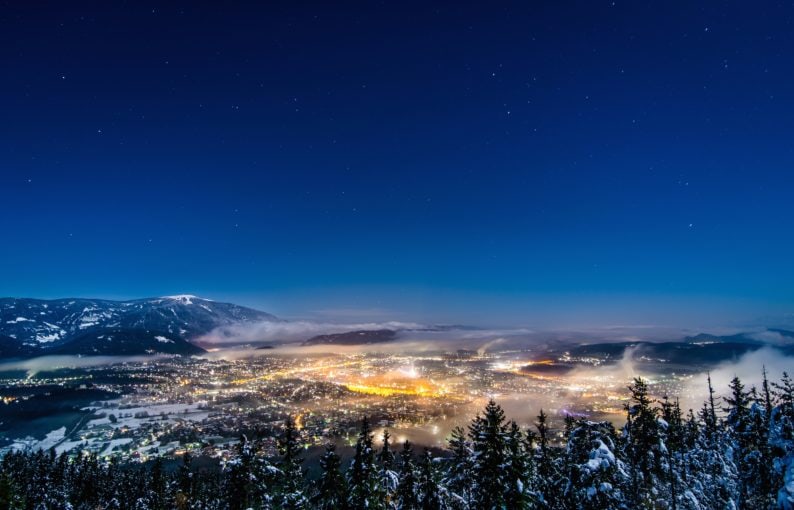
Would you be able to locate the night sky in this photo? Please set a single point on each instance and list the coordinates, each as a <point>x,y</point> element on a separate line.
<point>529,163</point>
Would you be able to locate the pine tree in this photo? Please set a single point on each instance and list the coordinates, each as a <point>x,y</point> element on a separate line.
<point>239,490</point>
<point>709,471</point>
<point>332,486</point>
<point>406,495</point>
<point>185,482</point>
<point>428,484</point>
<point>365,489</point>
<point>518,469</point>
<point>758,459</point>
<point>709,412</point>
<point>386,461</point>
<point>673,437</point>
<point>766,392</point>
<point>643,444</point>
<point>488,442</point>
<point>714,476</point>
<point>10,497</point>
<point>458,475</point>
<point>691,430</point>
<point>158,485</point>
<point>738,411</point>
<point>739,428</point>
<point>597,476</point>
<point>548,484</point>
<point>784,392</point>
<point>570,424</point>
<point>290,484</point>
<point>247,479</point>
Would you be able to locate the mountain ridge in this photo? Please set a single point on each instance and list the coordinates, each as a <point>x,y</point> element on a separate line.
<point>33,327</point>
<point>356,337</point>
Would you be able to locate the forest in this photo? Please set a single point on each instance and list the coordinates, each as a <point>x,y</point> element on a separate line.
<point>735,452</point>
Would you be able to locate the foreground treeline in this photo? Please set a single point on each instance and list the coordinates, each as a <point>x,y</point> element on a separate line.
<point>735,452</point>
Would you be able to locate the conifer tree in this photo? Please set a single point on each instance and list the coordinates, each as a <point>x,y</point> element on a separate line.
<point>740,431</point>
<point>691,430</point>
<point>10,497</point>
<point>290,484</point>
<point>643,444</point>
<point>784,392</point>
<point>570,424</point>
<point>429,491</point>
<point>488,443</point>
<point>386,463</point>
<point>766,392</point>
<point>332,486</point>
<point>458,475</point>
<point>709,412</point>
<point>672,431</point>
<point>548,484</point>
<point>738,411</point>
<point>247,480</point>
<point>406,495</point>
<point>365,490</point>
<point>518,469</point>
<point>596,475</point>
<point>156,486</point>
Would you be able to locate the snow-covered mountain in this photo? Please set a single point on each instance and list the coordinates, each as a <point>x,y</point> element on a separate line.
<point>98,326</point>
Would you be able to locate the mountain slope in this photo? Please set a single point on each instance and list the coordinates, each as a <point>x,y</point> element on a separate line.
<point>11,348</point>
<point>123,341</point>
<point>93,326</point>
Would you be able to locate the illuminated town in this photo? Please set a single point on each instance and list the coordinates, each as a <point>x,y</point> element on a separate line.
<point>165,407</point>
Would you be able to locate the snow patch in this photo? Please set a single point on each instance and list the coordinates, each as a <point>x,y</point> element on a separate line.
<point>185,299</point>
<point>43,339</point>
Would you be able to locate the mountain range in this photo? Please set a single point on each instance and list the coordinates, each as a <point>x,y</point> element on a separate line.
<point>703,349</point>
<point>169,324</point>
<point>175,325</point>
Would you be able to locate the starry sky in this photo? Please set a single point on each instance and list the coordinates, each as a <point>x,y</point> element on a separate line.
<point>557,163</point>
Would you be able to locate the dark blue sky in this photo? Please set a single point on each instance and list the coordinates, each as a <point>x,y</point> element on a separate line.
<point>560,162</point>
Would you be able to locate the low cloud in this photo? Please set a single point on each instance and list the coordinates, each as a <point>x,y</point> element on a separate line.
<point>44,363</point>
<point>771,337</point>
<point>749,368</point>
<point>289,332</point>
<point>286,339</point>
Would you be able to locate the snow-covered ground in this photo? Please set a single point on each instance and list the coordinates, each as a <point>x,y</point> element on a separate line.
<point>50,440</point>
<point>96,434</point>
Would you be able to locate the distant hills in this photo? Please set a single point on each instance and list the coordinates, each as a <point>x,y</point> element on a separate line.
<point>768,335</point>
<point>361,337</point>
<point>35,327</point>
<point>702,349</point>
